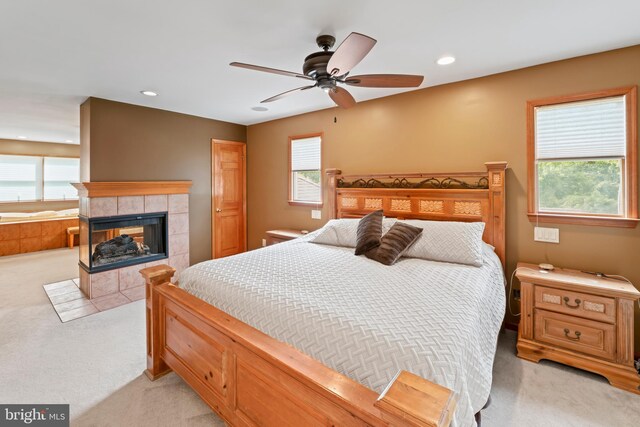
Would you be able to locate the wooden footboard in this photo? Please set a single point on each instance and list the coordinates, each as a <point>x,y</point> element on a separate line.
<point>250,379</point>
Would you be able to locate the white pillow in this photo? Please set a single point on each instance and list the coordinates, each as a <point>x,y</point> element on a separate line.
<point>343,232</point>
<point>448,241</point>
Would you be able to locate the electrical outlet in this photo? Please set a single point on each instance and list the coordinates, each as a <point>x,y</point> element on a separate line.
<point>316,214</point>
<point>264,242</point>
<point>548,235</point>
<point>516,294</point>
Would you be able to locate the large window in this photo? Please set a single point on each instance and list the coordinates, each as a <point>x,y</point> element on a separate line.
<point>583,159</point>
<point>59,173</point>
<point>34,178</point>
<point>19,177</point>
<point>305,175</point>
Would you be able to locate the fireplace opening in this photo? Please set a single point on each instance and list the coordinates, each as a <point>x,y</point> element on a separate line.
<point>113,242</point>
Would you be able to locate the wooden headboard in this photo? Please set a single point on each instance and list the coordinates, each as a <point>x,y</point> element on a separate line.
<point>470,196</point>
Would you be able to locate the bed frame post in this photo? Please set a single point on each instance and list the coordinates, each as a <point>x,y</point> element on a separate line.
<point>333,185</point>
<point>410,400</point>
<point>155,276</point>
<point>497,183</point>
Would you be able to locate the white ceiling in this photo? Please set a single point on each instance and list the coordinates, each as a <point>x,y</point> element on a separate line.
<point>54,54</point>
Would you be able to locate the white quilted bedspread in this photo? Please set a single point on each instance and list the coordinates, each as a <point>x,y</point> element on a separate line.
<point>364,319</point>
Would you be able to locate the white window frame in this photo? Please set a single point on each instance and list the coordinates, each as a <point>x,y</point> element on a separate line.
<point>629,187</point>
<point>292,201</point>
<point>39,182</point>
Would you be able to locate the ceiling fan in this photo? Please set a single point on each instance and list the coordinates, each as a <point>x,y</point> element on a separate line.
<point>327,69</point>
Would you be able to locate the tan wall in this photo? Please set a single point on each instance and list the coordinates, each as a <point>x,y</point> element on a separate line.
<point>455,127</point>
<point>133,143</point>
<point>85,140</point>
<point>37,148</point>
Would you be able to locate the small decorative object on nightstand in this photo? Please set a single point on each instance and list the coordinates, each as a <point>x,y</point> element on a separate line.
<point>578,319</point>
<point>279,236</point>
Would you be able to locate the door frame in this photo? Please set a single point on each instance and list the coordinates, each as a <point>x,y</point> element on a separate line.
<point>215,142</point>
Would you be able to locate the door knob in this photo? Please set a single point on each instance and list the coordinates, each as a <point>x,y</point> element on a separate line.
<point>218,210</point>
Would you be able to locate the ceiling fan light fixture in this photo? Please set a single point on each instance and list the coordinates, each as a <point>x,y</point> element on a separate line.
<point>327,69</point>
<point>149,93</point>
<point>446,60</point>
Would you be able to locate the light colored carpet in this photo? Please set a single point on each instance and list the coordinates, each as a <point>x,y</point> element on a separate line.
<point>549,394</point>
<point>95,364</point>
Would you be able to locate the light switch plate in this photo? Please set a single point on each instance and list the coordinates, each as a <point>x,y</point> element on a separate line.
<point>548,235</point>
<point>316,214</point>
<point>264,242</point>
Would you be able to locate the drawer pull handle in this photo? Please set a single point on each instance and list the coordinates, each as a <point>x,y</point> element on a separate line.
<point>566,302</point>
<point>576,338</point>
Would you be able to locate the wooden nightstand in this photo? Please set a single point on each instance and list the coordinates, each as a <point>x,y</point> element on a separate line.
<point>279,236</point>
<point>580,320</point>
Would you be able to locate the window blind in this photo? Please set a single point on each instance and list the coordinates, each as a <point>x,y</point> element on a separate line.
<point>593,129</point>
<point>20,178</point>
<point>305,154</point>
<point>59,173</point>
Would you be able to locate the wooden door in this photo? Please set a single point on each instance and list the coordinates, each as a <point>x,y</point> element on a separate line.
<point>228,201</point>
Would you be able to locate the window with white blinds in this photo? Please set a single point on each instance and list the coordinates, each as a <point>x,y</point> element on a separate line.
<point>580,154</point>
<point>36,178</point>
<point>305,172</point>
<point>19,178</point>
<point>59,173</point>
<point>586,129</point>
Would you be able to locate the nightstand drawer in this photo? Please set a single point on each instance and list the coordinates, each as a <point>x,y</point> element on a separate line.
<point>279,236</point>
<point>576,304</point>
<point>587,336</point>
<point>271,240</point>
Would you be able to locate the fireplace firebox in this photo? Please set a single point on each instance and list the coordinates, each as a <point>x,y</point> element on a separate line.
<point>119,241</point>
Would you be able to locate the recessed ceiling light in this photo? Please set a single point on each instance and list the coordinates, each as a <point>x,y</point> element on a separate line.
<point>446,60</point>
<point>259,108</point>
<point>149,93</point>
<point>22,137</point>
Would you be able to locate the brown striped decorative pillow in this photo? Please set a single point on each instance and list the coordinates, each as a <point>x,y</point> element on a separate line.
<point>393,244</point>
<point>369,232</point>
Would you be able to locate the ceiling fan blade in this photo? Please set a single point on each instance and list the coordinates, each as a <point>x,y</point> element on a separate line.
<point>350,52</point>
<point>287,93</point>
<point>270,70</point>
<point>342,97</point>
<point>385,80</point>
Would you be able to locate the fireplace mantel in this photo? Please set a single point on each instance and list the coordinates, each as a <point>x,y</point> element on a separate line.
<point>131,188</point>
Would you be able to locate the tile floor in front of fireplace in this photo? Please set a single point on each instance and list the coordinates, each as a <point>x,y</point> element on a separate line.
<point>70,303</point>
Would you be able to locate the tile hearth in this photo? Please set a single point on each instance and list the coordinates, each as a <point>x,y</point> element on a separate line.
<point>70,303</point>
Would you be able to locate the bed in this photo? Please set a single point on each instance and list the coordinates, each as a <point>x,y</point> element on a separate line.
<point>302,334</point>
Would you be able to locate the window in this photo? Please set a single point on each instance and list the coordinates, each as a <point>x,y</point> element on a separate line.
<point>34,178</point>
<point>582,159</point>
<point>59,173</point>
<point>305,175</point>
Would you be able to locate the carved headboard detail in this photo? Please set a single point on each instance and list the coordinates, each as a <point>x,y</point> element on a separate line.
<point>472,196</point>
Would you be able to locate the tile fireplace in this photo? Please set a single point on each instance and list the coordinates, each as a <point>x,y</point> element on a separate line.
<point>125,227</point>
